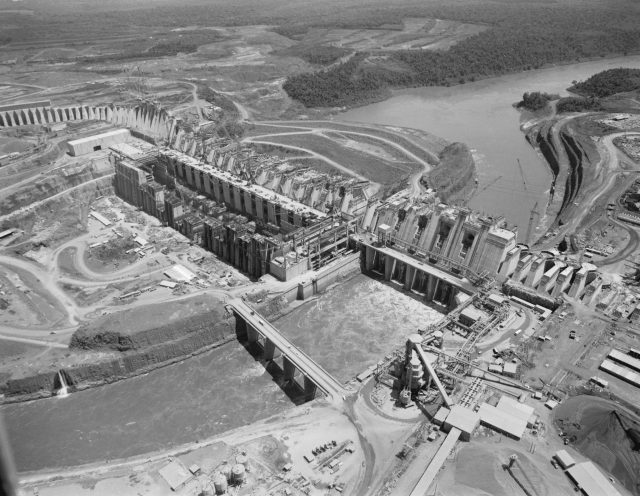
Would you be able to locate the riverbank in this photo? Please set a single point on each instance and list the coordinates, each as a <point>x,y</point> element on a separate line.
<point>81,378</point>
<point>127,343</point>
<point>481,115</point>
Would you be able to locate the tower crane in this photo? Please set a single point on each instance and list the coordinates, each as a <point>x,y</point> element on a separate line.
<point>534,213</point>
<point>524,182</point>
<point>487,186</point>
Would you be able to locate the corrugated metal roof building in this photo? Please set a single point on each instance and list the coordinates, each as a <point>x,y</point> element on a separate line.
<point>624,359</point>
<point>564,459</point>
<point>621,372</point>
<point>464,419</point>
<point>591,481</point>
<point>501,421</point>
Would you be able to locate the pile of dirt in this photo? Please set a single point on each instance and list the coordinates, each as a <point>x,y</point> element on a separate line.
<point>148,325</point>
<point>605,433</point>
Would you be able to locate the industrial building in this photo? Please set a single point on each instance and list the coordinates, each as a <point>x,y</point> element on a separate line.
<point>620,372</point>
<point>464,419</point>
<point>591,481</point>
<point>564,459</point>
<point>625,359</point>
<point>253,228</point>
<point>97,142</point>
<point>455,237</point>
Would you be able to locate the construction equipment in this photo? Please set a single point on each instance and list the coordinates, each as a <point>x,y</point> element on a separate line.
<point>487,186</point>
<point>532,216</point>
<point>524,182</point>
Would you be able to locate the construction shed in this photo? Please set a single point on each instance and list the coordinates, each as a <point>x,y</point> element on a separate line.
<point>591,481</point>
<point>564,459</point>
<point>97,142</point>
<point>463,419</point>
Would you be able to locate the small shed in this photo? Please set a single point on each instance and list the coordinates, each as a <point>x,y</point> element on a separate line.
<point>510,369</point>
<point>175,474</point>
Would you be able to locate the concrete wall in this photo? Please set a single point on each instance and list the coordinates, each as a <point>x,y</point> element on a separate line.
<point>146,118</point>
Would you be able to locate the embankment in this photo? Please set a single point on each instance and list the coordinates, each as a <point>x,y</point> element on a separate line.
<point>143,339</point>
<point>567,157</point>
<point>454,176</point>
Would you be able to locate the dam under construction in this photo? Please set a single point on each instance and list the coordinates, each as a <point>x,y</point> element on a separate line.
<point>228,313</point>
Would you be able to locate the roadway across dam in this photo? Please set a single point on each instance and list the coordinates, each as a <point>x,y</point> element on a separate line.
<point>253,328</point>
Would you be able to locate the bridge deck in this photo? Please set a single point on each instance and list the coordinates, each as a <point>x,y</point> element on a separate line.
<point>323,380</point>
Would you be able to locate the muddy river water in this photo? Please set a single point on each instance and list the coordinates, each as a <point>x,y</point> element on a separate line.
<point>481,114</point>
<point>227,388</point>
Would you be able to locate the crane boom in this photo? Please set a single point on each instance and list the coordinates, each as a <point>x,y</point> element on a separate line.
<point>524,182</point>
<point>487,186</point>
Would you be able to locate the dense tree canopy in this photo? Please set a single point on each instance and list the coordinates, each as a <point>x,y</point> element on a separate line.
<point>521,38</point>
<point>535,100</point>
<point>610,82</point>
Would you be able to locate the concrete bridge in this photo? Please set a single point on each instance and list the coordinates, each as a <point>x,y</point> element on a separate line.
<point>253,328</point>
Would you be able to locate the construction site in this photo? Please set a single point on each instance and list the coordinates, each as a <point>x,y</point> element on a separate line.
<point>189,309</point>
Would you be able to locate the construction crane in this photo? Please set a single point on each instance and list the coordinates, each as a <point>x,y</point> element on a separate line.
<point>487,186</point>
<point>534,213</point>
<point>524,182</point>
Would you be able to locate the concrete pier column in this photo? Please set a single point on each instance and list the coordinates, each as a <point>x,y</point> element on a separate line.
<point>389,266</point>
<point>563,282</point>
<point>252,334</point>
<point>432,287</point>
<point>536,272</point>
<point>289,369</point>
<point>578,284</point>
<point>451,303</point>
<point>270,350</point>
<point>369,257</point>
<point>409,277</point>
<point>310,389</point>
<point>241,328</point>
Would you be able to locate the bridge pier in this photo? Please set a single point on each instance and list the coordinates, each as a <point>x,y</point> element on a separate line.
<point>432,287</point>
<point>280,355</point>
<point>252,334</point>
<point>241,327</point>
<point>270,350</point>
<point>289,369</point>
<point>310,389</point>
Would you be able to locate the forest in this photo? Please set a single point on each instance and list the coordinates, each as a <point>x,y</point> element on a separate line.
<point>577,104</point>
<point>524,38</point>
<point>607,83</point>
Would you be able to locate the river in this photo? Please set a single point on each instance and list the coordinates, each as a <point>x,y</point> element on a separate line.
<point>191,400</point>
<point>481,114</point>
